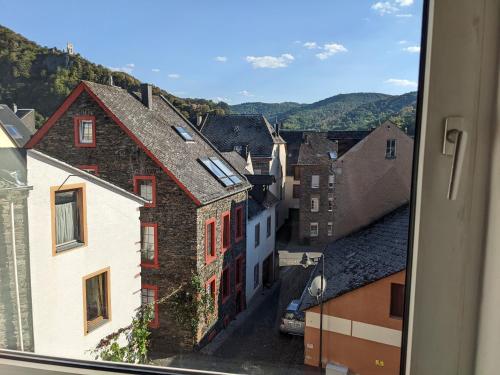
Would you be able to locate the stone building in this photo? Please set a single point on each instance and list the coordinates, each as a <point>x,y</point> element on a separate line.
<point>193,227</point>
<point>252,135</point>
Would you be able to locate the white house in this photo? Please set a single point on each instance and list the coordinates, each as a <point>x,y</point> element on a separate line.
<point>261,239</point>
<point>85,257</point>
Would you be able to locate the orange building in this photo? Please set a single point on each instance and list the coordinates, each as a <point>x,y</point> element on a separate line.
<point>363,299</point>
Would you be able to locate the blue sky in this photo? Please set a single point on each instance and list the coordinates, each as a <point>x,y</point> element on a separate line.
<point>235,50</point>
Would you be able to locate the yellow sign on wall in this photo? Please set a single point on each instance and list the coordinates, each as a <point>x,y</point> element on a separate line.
<point>379,363</point>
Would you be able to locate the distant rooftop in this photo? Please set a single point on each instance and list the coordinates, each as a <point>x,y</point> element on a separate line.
<point>13,125</point>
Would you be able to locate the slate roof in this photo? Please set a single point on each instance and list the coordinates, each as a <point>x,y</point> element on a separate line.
<point>228,131</point>
<point>154,129</point>
<point>255,207</point>
<point>315,150</point>
<point>12,169</point>
<point>9,118</point>
<point>261,179</point>
<point>374,252</point>
<point>346,139</point>
<point>237,161</point>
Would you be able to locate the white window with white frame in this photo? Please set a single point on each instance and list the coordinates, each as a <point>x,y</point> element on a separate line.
<point>314,204</point>
<point>331,181</point>
<point>314,230</point>
<point>330,202</point>
<point>315,181</point>
<point>330,228</point>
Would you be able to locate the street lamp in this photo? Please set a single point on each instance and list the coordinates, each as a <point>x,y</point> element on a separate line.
<point>317,289</point>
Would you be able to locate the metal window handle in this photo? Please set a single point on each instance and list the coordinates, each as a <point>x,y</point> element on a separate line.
<point>454,144</point>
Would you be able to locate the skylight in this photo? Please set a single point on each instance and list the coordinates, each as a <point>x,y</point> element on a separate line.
<point>332,155</point>
<point>184,133</point>
<point>221,171</point>
<point>14,133</point>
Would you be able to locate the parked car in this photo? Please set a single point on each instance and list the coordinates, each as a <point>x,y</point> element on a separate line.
<point>293,320</point>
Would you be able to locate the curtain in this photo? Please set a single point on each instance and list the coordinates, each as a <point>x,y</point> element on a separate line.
<point>66,222</point>
<point>96,297</point>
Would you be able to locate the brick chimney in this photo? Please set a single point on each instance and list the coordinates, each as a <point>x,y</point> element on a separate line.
<point>147,95</point>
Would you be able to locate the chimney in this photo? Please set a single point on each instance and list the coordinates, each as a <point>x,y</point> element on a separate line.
<point>277,126</point>
<point>14,107</point>
<point>147,95</point>
<point>199,120</point>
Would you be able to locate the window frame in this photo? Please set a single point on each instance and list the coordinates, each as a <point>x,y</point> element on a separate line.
<point>329,231</point>
<point>155,263</point>
<point>314,223</point>
<point>89,168</point>
<point>296,191</point>
<point>106,271</point>
<point>225,234</point>
<point>330,204</point>
<point>256,280</point>
<point>256,236</point>
<point>82,204</point>
<point>238,269</point>
<point>313,186</point>
<point>269,226</point>
<point>155,323</point>
<point>331,181</point>
<point>239,224</point>
<point>315,199</point>
<point>225,298</point>
<point>76,128</point>
<point>390,150</point>
<point>137,185</point>
<point>209,258</point>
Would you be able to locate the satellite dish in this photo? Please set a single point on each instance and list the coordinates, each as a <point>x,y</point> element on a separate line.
<point>315,289</point>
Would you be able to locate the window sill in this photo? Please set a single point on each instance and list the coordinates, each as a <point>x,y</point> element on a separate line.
<point>150,265</point>
<point>68,246</point>
<point>97,323</point>
<point>209,259</point>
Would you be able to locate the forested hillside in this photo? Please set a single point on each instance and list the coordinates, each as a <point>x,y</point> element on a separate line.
<point>345,111</point>
<point>38,77</point>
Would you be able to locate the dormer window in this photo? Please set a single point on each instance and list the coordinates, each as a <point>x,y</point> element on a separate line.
<point>84,131</point>
<point>332,155</point>
<point>184,133</point>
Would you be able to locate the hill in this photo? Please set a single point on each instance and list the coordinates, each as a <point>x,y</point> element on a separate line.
<point>355,111</point>
<point>39,77</point>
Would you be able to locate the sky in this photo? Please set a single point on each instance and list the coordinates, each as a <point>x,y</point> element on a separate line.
<point>237,50</point>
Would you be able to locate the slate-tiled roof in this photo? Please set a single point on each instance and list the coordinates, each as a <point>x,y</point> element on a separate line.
<point>237,161</point>
<point>154,128</point>
<point>255,207</point>
<point>346,139</point>
<point>372,253</point>
<point>9,118</point>
<point>228,131</point>
<point>315,150</point>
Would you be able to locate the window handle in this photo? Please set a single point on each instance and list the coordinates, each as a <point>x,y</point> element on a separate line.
<point>454,145</point>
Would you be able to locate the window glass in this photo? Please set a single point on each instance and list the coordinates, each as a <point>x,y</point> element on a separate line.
<point>96,290</point>
<point>257,235</point>
<point>269,224</point>
<point>210,238</point>
<point>86,132</point>
<point>68,212</point>
<point>256,280</point>
<point>148,243</point>
<point>314,204</point>
<point>146,189</point>
<point>226,231</point>
<point>314,181</point>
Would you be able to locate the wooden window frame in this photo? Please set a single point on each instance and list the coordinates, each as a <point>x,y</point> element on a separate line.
<point>82,203</point>
<point>155,263</point>
<point>76,128</point>
<point>155,323</point>
<point>392,291</point>
<point>152,178</point>
<point>239,270</point>
<point>225,233</point>
<point>215,294</point>
<point>209,258</point>
<point>106,270</point>
<point>90,167</point>
<point>228,280</point>
<point>239,224</point>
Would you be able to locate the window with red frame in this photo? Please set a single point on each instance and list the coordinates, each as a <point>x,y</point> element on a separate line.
<point>239,223</point>
<point>92,169</point>
<point>145,186</point>
<point>84,128</point>
<point>210,288</point>
<point>210,240</point>
<point>149,295</point>
<point>226,231</point>
<point>149,245</point>
<point>225,284</point>
<point>239,270</point>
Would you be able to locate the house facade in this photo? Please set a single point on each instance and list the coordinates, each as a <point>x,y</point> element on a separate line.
<point>339,181</point>
<point>363,300</point>
<point>252,135</point>
<point>84,255</point>
<point>193,226</point>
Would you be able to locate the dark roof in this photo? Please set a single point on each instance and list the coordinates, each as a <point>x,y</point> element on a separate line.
<point>255,207</point>
<point>228,131</point>
<point>261,179</point>
<point>154,129</point>
<point>21,112</point>
<point>315,148</point>
<point>346,139</point>
<point>374,252</point>
<point>8,118</point>
<point>237,161</point>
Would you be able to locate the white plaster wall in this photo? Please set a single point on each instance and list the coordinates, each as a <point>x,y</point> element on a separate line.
<point>277,168</point>
<point>57,292</point>
<point>257,254</point>
<point>5,141</point>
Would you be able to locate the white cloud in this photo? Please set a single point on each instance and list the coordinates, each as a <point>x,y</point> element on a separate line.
<point>412,49</point>
<point>221,99</point>
<point>402,42</point>
<point>311,45</point>
<point>404,3</point>
<point>174,76</point>
<point>402,82</point>
<point>270,62</point>
<point>155,70</point>
<point>384,7</point>
<point>405,15</point>
<point>297,42</point>
<point>222,59</point>
<point>330,49</point>
<point>128,68</point>
<point>246,93</point>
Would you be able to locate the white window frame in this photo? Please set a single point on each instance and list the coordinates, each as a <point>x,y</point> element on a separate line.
<point>315,184</point>
<point>314,204</point>
<point>312,232</point>
<point>330,229</point>
<point>331,181</point>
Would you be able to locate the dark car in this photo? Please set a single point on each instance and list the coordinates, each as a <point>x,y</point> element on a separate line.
<point>293,320</point>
